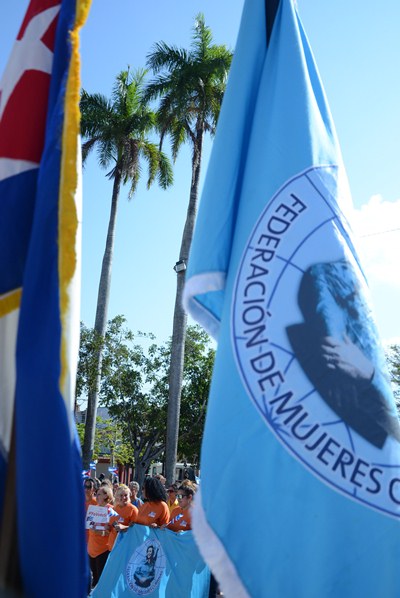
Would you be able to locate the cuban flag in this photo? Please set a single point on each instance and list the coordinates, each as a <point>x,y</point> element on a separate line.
<point>39,290</point>
<point>300,414</point>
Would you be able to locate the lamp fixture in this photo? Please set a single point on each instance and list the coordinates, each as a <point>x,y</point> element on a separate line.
<point>180,266</point>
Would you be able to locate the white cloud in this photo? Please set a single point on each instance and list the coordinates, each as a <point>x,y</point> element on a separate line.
<point>377,226</point>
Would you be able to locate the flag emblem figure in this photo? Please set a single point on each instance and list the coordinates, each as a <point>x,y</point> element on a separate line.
<point>300,385</point>
<point>320,384</point>
<point>39,290</point>
<point>145,568</point>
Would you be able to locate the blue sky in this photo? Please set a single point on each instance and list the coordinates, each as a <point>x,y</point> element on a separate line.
<point>357,49</point>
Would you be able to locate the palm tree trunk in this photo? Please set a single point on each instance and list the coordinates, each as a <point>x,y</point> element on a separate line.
<point>100,326</point>
<point>180,321</point>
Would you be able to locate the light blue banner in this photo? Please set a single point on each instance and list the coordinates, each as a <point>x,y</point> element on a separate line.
<point>154,563</point>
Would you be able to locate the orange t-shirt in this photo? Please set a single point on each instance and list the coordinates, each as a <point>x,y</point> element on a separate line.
<point>98,539</point>
<point>92,501</point>
<point>181,520</point>
<point>127,514</point>
<point>153,512</point>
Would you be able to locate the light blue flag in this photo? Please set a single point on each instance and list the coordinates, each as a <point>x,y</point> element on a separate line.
<point>155,563</point>
<point>301,416</point>
<point>39,299</point>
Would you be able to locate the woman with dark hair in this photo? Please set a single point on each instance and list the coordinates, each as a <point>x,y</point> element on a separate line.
<point>337,346</point>
<point>145,573</point>
<point>181,519</point>
<point>154,512</point>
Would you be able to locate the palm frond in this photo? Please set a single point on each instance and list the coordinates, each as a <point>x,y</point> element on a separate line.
<point>131,167</point>
<point>139,123</point>
<point>134,180</point>
<point>165,173</point>
<point>120,86</point>
<point>96,110</point>
<point>163,56</point>
<point>201,38</point>
<point>150,152</point>
<point>159,86</point>
<point>87,147</point>
<point>106,153</point>
<point>179,133</point>
<point>129,161</point>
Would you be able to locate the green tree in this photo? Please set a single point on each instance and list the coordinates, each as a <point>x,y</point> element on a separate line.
<point>134,388</point>
<point>108,442</point>
<point>196,380</point>
<point>393,359</point>
<point>190,85</point>
<point>119,128</point>
<point>125,389</point>
<point>197,374</point>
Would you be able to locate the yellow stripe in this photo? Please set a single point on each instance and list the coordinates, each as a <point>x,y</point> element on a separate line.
<point>10,302</point>
<point>68,220</point>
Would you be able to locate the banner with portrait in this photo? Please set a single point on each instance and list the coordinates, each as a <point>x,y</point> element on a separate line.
<point>155,563</point>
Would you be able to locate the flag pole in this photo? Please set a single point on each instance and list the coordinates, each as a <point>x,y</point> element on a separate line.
<point>271,8</point>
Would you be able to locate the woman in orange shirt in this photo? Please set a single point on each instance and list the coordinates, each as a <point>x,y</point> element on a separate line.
<point>127,513</point>
<point>154,511</point>
<point>99,535</point>
<point>181,518</point>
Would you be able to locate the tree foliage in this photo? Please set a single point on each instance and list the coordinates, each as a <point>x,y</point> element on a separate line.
<point>134,388</point>
<point>108,441</point>
<point>119,128</point>
<point>190,84</point>
<point>393,359</point>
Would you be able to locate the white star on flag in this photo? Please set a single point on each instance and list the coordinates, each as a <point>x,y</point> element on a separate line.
<point>29,53</point>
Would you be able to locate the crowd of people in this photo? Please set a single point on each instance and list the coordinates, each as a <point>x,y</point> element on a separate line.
<point>158,506</point>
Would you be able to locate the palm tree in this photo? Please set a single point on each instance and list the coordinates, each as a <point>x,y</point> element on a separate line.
<point>190,85</point>
<point>119,128</point>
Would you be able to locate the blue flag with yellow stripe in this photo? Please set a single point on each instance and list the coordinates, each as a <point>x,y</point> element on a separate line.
<point>39,291</point>
<point>301,406</point>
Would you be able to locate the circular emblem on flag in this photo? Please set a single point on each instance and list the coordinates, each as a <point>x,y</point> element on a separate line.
<point>307,347</point>
<point>145,568</point>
